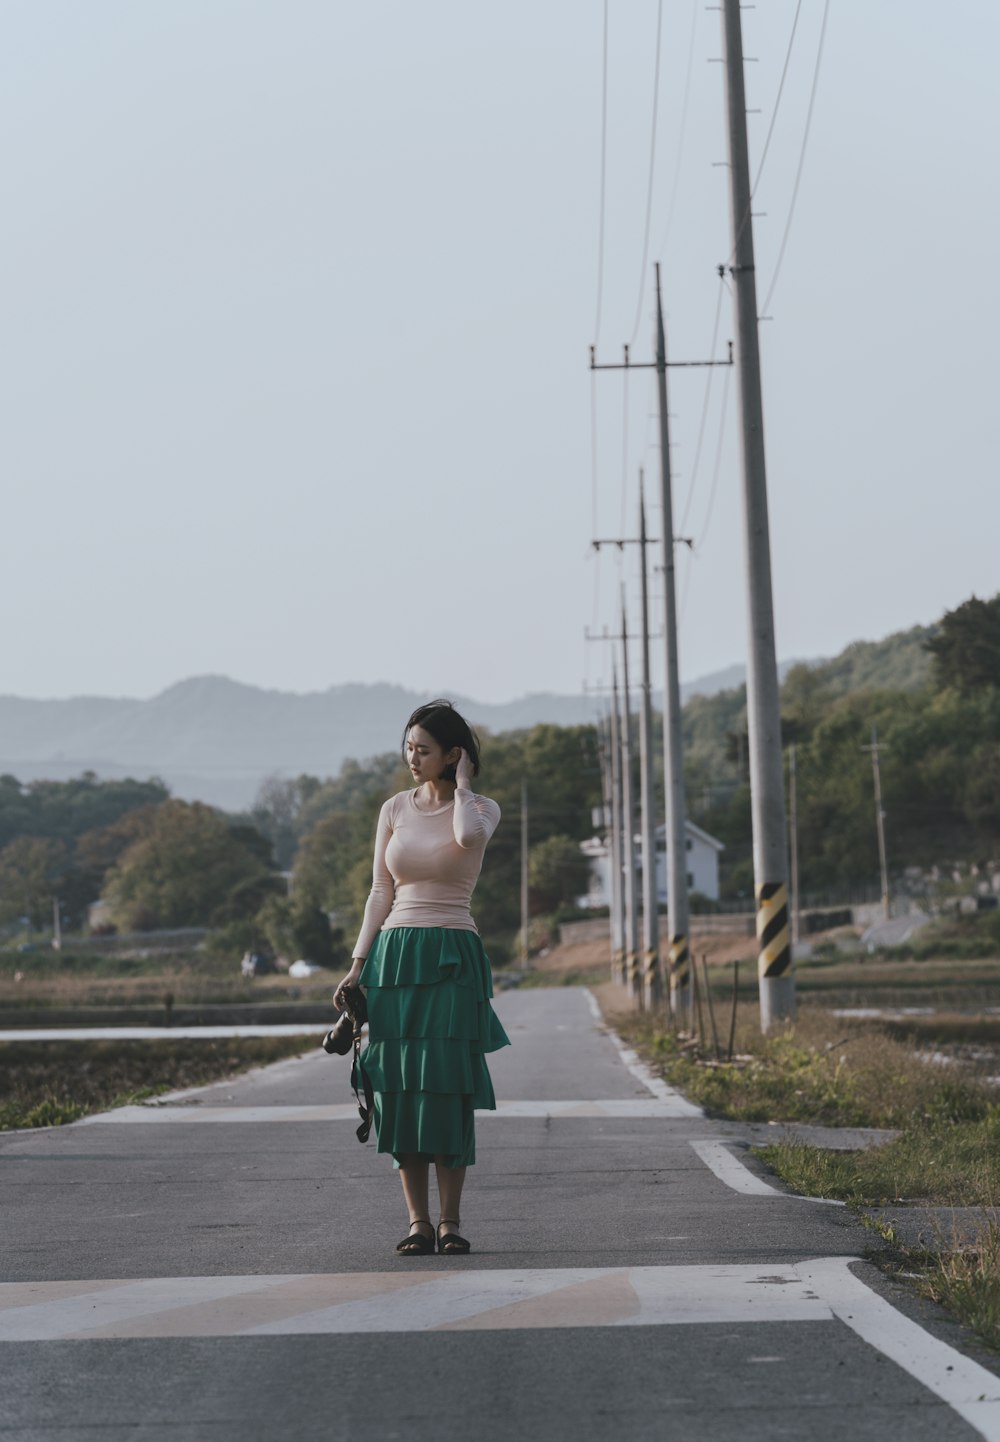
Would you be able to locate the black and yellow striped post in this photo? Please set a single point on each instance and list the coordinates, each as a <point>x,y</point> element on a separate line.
<point>652,986</point>
<point>774,953</point>
<point>680,977</point>
<point>633,978</point>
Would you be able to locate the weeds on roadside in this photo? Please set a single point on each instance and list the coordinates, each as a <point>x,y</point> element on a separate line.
<point>943,1161</point>
<point>823,1069</point>
<point>967,1282</point>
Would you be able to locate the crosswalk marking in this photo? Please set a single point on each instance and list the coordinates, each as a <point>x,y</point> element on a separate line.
<point>440,1297</point>
<point>424,1300</point>
<point>670,1108</point>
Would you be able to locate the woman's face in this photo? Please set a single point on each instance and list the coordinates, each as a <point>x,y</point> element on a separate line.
<point>425,756</point>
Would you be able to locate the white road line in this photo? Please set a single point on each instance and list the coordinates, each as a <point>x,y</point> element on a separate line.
<point>195,1114</point>
<point>166,1033</point>
<point>638,1068</point>
<point>971,1390</point>
<point>731,1170</point>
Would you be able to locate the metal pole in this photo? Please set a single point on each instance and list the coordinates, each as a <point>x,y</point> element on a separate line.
<point>793,823</point>
<point>632,978</point>
<point>673,757</point>
<point>524,873</point>
<point>652,985</point>
<point>617,859</point>
<point>776,978</point>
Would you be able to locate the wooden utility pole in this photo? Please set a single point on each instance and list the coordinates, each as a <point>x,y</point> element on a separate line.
<point>873,749</point>
<point>632,978</point>
<point>776,978</point>
<point>652,985</point>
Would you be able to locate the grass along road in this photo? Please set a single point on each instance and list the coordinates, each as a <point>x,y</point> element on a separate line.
<point>855,1073</point>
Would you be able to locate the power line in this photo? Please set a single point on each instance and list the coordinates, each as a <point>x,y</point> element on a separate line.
<point>680,133</point>
<point>695,549</point>
<point>777,101</point>
<point>704,408</point>
<point>718,462</point>
<point>770,130</point>
<point>652,163</point>
<point>604,167</point>
<point>802,156</point>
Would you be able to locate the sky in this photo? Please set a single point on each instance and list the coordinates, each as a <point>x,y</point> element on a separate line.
<point>296,301</point>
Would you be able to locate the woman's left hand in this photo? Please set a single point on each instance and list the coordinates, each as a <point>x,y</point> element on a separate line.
<point>463,769</point>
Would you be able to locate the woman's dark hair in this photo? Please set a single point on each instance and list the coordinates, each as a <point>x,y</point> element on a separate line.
<point>440,720</point>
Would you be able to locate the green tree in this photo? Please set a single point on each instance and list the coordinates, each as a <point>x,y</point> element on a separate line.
<point>31,869</point>
<point>65,810</point>
<point>277,811</point>
<point>557,873</point>
<point>182,871</point>
<point>966,649</point>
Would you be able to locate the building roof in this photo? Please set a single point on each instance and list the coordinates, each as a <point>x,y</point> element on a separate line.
<point>696,832</point>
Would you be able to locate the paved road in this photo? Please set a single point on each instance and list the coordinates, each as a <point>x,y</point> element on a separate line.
<point>220,1268</point>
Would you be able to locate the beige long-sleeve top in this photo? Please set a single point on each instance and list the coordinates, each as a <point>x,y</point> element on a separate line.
<point>427,863</point>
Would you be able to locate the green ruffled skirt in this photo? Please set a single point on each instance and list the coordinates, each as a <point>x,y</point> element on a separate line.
<point>430,1025</point>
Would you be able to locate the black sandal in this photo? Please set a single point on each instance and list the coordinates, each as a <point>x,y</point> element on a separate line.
<point>450,1243</point>
<point>415,1244</point>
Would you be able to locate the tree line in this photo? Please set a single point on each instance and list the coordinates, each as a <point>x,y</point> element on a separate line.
<point>272,879</point>
<point>934,696</point>
<point>290,876</point>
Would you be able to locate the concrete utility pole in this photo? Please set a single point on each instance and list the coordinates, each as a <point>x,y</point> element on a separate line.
<point>879,819</point>
<point>524,873</point>
<point>793,836</point>
<point>673,755</point>
<point>652,985</point>
<point>770,851</point>
<point>611,846</point>
<point>632,978</point>
<point>617,857</point>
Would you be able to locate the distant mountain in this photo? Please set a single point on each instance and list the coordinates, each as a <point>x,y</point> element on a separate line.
<point>215,740</point>
<point>212,739</point>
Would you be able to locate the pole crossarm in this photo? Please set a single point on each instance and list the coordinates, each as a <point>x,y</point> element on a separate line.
<point>628,364</point>
<point>607,635</point>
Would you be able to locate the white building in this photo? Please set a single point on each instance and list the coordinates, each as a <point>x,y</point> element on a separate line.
<point>702,866</point>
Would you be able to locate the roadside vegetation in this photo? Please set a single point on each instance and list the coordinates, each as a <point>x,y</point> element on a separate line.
<point>45,1084</point>
<point>931,1080</point>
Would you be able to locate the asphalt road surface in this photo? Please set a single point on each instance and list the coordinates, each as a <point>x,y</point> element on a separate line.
<point>220,1267</point>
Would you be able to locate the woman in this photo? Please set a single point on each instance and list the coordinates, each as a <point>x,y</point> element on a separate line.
<point>426,975</point>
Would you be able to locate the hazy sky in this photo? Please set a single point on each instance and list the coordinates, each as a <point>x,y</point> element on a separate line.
<point>296,300</point>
